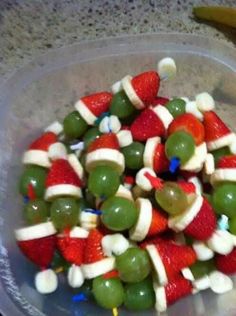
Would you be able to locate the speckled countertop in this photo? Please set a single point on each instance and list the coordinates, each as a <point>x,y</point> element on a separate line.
<point>30,28</point>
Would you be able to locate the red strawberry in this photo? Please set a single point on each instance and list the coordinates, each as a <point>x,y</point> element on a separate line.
<point>226,264</point>
<point>177,289</point>
<point>175,257</point>
<point>214,126</point>
<point>158,224</point>
<point>40,251</point>
<point>188,123</point>
<point>169,236</point>
<point>110,275</point>
<point>44,141</point>
<point>146,85</point>
<point>204,224</point>
<point>147,125</point>
<point>187,187</point>
<point>72,249</point>
<point>104,141</point>
<point>98,103</point>
<point>227,162</point>
<point>61,172</point>
<point>160,101</point>
<point>93,251</point>
<point>160,161</point>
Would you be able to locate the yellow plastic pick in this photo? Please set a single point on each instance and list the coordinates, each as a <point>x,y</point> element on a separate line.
<point>58,270</point>
<point>115,311</point>
<point>223,15</point>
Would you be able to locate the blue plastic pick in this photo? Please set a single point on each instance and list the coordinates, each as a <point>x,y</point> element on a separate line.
<point>26,199</point>
<point>93,211</point>
<point>80,297</point>
<point>174,164</point>
<point>223,222</point>
<point>99,119</point>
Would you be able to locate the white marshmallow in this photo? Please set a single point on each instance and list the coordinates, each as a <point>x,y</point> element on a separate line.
<point>142,181</point>
<point>75,276</point>
<point>57,151</point>
<point>116,87</point>
<point>221,242</point>
<point>125,138</point>
<point>202,283</point>
<point>220,283</point>
<point>88,220</point>
<point>46,281</point>
<point>114,244</point>
<point>187,274</point>
<point>191,107</point>
<point>205,102</point>
<point>55,128</point>
<point>202,251</point>
<point>166,68</point>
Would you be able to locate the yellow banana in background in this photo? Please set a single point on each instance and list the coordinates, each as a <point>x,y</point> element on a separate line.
<point>223,15</point>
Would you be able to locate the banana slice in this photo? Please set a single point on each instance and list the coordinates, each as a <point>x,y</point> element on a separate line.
<point>157,264</point>
<point>140,230</point>
<point>36,157</point>
<point>92,270</point>
<point>149,151</point>
<point>131,94</point>
<point>35,231</point>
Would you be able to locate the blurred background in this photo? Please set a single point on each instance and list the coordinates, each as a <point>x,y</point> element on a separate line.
<point>30,28</point>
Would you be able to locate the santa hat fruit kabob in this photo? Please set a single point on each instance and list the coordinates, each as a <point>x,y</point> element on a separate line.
<point>135,194</point>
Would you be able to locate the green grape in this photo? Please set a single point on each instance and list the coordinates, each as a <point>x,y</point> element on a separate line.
<point>121,105</point>
<point>36,176</point>
<point>133,155</point>
<point>232,225</point>
<point>108,293</point>
<point>118,213</point>
<point>221,152</point>
<point>139,296</point>
<point>103,181</point>
<point>64,213</point>
<point>172,198</point>
<point>181,145</point>
<point>176,107</point>
<point>90,135</point>
<point>224,199</point>
<point>82,159</point>
<point>201,268</point>
<point>74,125</point>
<point>208,197</point>
<point>133,265</point>
<point>36,211</point>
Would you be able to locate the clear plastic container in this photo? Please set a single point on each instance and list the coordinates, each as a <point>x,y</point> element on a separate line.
<point>45,90</point>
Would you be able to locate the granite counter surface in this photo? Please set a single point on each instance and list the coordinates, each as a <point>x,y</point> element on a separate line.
<point>30,28</point>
